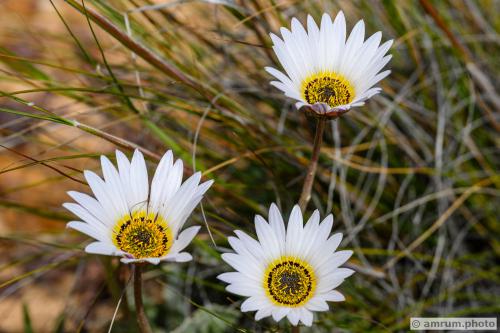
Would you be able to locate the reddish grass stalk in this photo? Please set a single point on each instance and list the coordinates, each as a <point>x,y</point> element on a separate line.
<point>142,320</point>
<point>305,196</point>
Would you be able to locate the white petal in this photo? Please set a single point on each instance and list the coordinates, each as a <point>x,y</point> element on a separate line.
<point>285,58</point>
<point>242,264</point>
<point>244,290</point>
<point>154,261</point>
<point>178,257</point>
<point>161,189</point>
<point>294,317</point>
<point>306,316</point>
<point>254,303</point>
<point>314,38</point>
<point>174,208</point>
<point>267,239</point>
<point>184,238</point>
<point>294,231</point>
<point>279,313</point>
<point>280,76</point>
<point>255,267</point>
<point>336,273</point>
<point>333,296</point>
<point>317,304</point>
<point>325,60</point>
<point>262,313</point>
<point>139,182</point>
<point>278,226</point>
<point>103,248</point>
<point>105,195</point>
<point>112,180</point>
<point>124,171</point>
<point>311,230</point>
<point>327,285</point>
<point>335,260</point>
<point>90,230</point>
<point>336,48</point>
<point>232,277</point>
<point>93,207</point>
<point>84,214</point>
<point>287,90</point>
<point>318,239</point>
<point>375,80</point>
<point>302,43</point>
<point>295,52</point>
<point>353,44</point>
<point>363,58</point>
<point>252,246</point>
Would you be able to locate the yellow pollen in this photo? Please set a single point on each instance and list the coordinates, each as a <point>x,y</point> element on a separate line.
<point>327,87</point>
<point>289,281</point>
<point>142,235</point>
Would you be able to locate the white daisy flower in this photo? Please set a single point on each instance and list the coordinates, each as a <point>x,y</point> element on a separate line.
<point>129,220</point>
<point>324,72</point>
<point>287,273</point>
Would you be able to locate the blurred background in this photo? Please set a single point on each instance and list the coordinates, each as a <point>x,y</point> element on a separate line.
<point>411,177</point>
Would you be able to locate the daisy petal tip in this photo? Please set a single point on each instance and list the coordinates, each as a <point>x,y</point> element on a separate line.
<point>153,261</point>
<point>224,256</point>
<point>307,318</point>
<point>195,228</point>
<point>222,277</point>
<point>275,39</point>
<point>340,17</point>
<point>334,296</point>
<point>349,272</point>
<point>260,315</point>
<point>284,31</point>
<point>270,69</point>
<point>68,205</point>
<point>273,208</point>
<point>183,257</point>
<point>349,253</point>
<point>104,160</point>
<point>296,212</point>
<point>138,156</point>
<point>209,183</point>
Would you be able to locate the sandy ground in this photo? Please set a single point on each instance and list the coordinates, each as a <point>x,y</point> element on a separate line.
<point>46,294</point>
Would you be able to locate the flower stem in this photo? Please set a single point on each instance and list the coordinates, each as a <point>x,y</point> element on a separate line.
<point>305,196</point>
<point>142,320</point>
<point>296,329</point>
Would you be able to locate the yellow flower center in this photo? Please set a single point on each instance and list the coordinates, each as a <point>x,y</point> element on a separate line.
<point>329,88</point>
<point>289,281</point>
<point>142,235</point>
